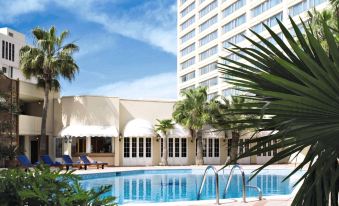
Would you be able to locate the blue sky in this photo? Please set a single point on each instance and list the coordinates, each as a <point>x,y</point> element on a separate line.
<point>127,47</point>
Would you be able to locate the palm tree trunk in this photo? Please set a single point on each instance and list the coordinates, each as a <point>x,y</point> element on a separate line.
<point>164,151</point>
<point>234,145</point>
<point>199,158</point>
<point>43,138</point>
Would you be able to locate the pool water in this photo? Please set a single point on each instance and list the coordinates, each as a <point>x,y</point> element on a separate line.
<point>143,186</point>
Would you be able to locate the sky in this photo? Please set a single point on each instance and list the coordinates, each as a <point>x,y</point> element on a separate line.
<point>127,47</point>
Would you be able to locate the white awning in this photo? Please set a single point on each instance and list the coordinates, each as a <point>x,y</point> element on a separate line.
<point>89,131</point>
<point>179,131</point>
<point>139,128</point>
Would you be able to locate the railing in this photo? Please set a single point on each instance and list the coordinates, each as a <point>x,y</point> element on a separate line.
<point>243,180</point>
<point>216,182</point>
<point>244,186</point>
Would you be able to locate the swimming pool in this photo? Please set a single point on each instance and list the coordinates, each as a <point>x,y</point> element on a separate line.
<point>142,186</point>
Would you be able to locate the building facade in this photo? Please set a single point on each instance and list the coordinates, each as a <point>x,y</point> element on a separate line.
<point>29,96</point>
<point>206,28</point>
<point>110,129</point>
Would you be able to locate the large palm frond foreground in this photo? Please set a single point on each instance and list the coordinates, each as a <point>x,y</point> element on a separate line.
<point>295,87</point>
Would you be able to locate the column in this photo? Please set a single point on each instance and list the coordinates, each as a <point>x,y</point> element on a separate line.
<point>88,144</point>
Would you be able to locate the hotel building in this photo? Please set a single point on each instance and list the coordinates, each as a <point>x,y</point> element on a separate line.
<point>205,28</point>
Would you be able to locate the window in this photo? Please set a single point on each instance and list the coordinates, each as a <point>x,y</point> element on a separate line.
<point>188,9</point>
<point>188,36</point>
<point>10,51</point>
<point>183,1</point>
<point>13,49</point>
<point>208,23</point>
<point>183,147</point>
<point>187,49</point>
<point>6,53</point>
<point>270,22</point>
<point>3,49</point>
<point>304,6</point>
<point>208,68</point>
<point>266,5</point>
<point>187,23</point>
<point>209,82</point>
<point>170,147</point>
<point>101,144</point>
<point>188,76</point>
<point>134,147</point>
<point>210,7</point>
<point>188,63</point>
<point>208,38</point>
<point>236,39</point>
<point>176,146</point>
<point>126,147</point>
<point>233,57</point>
<point>216,147</point>
<point>187,88</point>
<point>161,146</point>
<point>79,145</point>
<point>208,53</point>
<point>212,95</point>
<point>141,147</point>
<point>148,147</point>
<point>210,147</point>
<point>58,147</point>
<point>230,92</point>
<point>233,7</point>
<point>270,152</point>
<point>234,23</point>
<point>4,70</point>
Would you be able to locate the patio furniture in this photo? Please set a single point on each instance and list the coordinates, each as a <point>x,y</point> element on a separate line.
<point>89,161</point>
<point>69,162</point>
<point>25,162</point>
<point>46,159</point>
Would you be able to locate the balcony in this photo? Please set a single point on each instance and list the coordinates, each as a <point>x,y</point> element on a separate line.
<point>29,125</point>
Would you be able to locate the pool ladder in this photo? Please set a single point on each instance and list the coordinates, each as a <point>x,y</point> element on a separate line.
<point>244,186</point>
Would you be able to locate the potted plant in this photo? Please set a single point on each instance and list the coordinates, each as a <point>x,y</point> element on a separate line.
<point>11,152</point>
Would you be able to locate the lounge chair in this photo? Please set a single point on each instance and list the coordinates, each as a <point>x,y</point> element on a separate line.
<point>46,159</point>
<point>88,161</point>
<point>69,162</point>
<point>25,162</point>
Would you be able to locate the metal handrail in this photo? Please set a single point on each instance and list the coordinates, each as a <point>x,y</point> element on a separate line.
<point>216,182</point>
<point>258,190</point>
<point>230,178</point>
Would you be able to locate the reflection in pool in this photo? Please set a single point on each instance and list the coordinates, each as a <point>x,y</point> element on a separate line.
<point>183,185</point>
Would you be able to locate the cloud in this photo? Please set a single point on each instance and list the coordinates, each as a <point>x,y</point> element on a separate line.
<point>153,22</point>
<point>160,86</point>
<point>13,8</point>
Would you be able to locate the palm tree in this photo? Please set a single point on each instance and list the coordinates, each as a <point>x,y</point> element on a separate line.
<point>164,126</point>
<point>192,112</point>
<point>295,97</point>
<point>218,109</point>
<point>48,60</point>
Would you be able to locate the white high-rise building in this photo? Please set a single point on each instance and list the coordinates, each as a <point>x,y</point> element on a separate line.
<point>206,26</point>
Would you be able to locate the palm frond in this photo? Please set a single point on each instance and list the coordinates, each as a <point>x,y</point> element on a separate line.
<point>295,98</point>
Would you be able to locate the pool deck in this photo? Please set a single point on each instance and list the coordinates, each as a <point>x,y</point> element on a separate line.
<point>283,200</point>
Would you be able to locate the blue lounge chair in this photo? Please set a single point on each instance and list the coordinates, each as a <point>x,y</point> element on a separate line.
<point>69,162</point>
<point>25,162</point>
<point>46,159</point>
<point>98,164</point>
